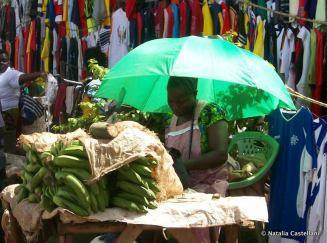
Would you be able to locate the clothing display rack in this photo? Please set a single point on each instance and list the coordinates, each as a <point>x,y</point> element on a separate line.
<point>282,13</point>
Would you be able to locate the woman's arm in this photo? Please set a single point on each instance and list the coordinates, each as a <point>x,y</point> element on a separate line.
<point>27,77</point>
<point>218,144</point>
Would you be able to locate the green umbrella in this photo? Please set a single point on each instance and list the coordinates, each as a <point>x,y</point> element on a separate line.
<point>243,84</point>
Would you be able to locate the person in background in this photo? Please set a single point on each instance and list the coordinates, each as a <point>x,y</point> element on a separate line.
<point>11,82</point>
<point>198,139</point>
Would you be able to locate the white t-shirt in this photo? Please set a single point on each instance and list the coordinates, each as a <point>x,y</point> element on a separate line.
<point>9,89</point>
<point>303,85</point>
<point>119,38</point>
<point>318,211</point>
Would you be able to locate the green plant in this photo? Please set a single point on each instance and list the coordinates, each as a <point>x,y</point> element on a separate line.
<point>91,114</point>
<point>97,70</point>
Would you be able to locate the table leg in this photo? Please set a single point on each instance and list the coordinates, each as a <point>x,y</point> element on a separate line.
<point>65,239</point>
<point>130,233</point>
<point>183,235</point>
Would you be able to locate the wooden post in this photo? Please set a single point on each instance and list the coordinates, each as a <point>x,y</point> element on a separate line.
<point>129,234</point>
<point>183,235</point>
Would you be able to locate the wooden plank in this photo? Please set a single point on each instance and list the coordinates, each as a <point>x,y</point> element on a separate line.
<point>90,228</point>
<point>183,235</point>
<point>130,234</point>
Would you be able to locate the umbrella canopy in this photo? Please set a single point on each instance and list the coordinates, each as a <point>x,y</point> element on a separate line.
<point>243,84</point>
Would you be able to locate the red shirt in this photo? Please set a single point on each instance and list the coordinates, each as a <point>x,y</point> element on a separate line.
<point>159,21</point>
<point>197,17</point>
<point>82,17</point>
<point>226,18</point>
<point>319,72</point>
<point>182,19</point>
<point>302,12</point>
<point>139,24</point>
<point>131,12</point>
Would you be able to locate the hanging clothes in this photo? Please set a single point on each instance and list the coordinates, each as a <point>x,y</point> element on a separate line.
<point>317,215</point>
<point>119,38</point>
<point>291,173</point>
<point>319,79</point>
<point>303,86</point>
<point>260,37</point>
<point>197,18</point>
<point>207,20</point>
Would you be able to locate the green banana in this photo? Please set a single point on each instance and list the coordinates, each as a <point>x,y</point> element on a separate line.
<point>32,198</point>
<point>94,203</point>
<point>28,176</point>
<point>38,191</point>
<point>153,205</point>
<point>32,157</point>
<point>105,195</point>
<point>76,142</point>
<point>134,198</point>
<point>61,202</point>
<point>81,174</point>
<point>141,169</point>
<point>78,187</point>
<point>66,193</point>
<point>23,193</point>
<point>78,151</point>
<point>152,184</point>
<point>136,189</point>
<point>131,175</point>
<point>146,161</point>
<point>94,188</point>
<point>101,203</point>
<point>47,204</point>
<point>123,203</point>
<point>46,158</point>
<point>18,189</point>
<point>71,162</point>
<point>37,178</point>
<point>32,168</point>
<point>27,147</point>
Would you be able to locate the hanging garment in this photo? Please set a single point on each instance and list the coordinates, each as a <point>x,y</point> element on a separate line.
<point>59,103</point>
<point>159,21</point>
<point>170,26</point>
<point>207,20</point>
<point>197,17</point>
<point>119,38</point>
<point>321,10</point>
<point>286,54</point>
<point>260,37</point>
<point>182,18</point>
<point>312,64</point>
<point>317,91</point>
<point>317,215</point>
<point>214,10</point>
<point>148,32</point>
<point>291,173</point>
<point>175,11</point>
<point>69,101</point>
<point>225,11</point>
<point>303,86</point>
<point>46,51</point>
<point>73,59</point>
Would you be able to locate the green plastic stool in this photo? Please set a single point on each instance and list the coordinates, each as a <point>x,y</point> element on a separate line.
<point>247,143</point>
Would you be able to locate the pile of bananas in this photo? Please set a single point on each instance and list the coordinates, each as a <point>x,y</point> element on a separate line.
<point>136,187</point>
<point>58,178</point>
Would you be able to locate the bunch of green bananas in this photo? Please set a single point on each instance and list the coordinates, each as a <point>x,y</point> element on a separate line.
<point>58,178</point>
<point>136,188</point>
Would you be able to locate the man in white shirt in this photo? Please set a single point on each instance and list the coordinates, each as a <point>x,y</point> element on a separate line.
<point>11,81</point>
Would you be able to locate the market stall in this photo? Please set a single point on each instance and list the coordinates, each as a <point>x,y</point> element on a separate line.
<point>176,211</point>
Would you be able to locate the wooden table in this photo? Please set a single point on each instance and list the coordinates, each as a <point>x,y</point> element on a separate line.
<point>127,232</point>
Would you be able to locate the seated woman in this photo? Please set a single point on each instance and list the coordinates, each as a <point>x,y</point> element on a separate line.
<point>199,132</point>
